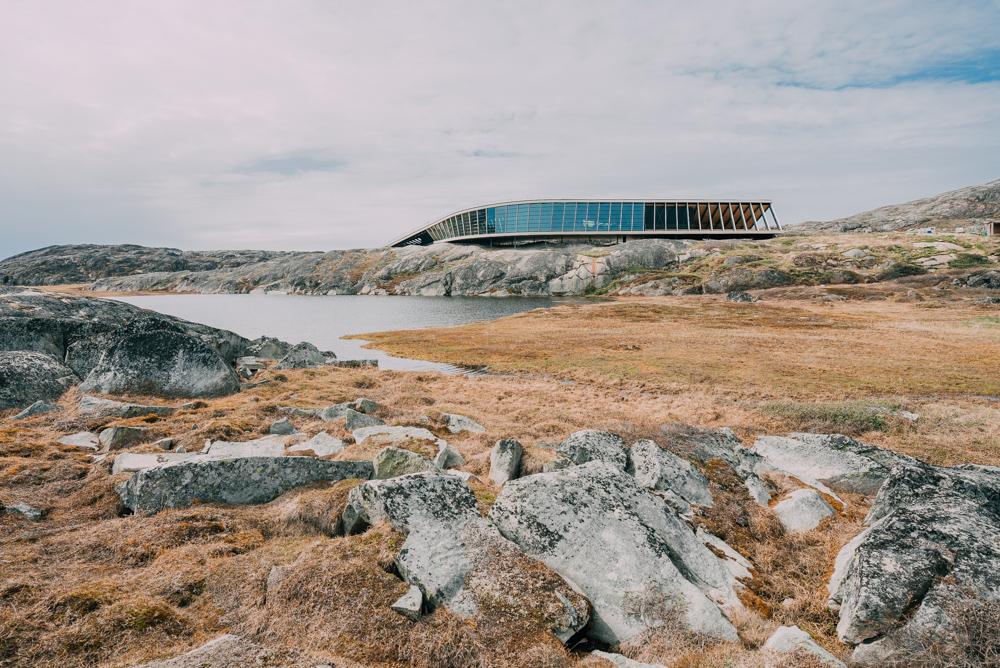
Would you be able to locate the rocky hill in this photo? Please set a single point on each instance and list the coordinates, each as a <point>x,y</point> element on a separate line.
<point>966,208</point>
<point>83,263</point>
<point>640,267</point>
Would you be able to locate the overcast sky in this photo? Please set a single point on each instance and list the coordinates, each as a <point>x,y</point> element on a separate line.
<point>320,125</point>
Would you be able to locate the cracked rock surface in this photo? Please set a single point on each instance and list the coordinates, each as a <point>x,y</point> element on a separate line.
<point>932,547</point>
<point>621,545</point>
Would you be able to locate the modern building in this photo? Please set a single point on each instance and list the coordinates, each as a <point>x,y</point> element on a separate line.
<point>600,221</point>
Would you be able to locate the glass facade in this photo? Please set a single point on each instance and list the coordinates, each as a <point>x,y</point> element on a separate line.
<point>604,217</point>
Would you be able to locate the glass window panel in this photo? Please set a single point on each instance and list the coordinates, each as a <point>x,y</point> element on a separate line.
<point>522,218</point>
<point>534,217</point>
<point>603,216</point>
<point>616,216</point>
<point>557,215</point>
<point>545,224</point>
<point>580,216</point>
<point>491,220</point>
<point>590,218</point>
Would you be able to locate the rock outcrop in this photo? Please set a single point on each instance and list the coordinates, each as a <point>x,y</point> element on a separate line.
<point>930,554</point>
<point>321,445</point>
<point>241,480</point>
<point>658,469</point>
<point>27,377</point>
<point>392,462</point>
<point>705,445</point>
<point>152,356</point>
<point>303,356</point>
<point>40,407</point>
<point>458,559</point>
<point>971,206</point>
<point>829,461</point>
<point>591,445</point>
<point>94,407</point>
<point>632,557</point>
<point>122,436</point>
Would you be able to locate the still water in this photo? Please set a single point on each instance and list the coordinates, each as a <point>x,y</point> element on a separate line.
<point>323,320</point>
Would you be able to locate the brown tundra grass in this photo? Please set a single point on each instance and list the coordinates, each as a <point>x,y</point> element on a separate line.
<point>86,587</point>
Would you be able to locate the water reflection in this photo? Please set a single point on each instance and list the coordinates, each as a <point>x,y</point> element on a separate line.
<point>323,320</point>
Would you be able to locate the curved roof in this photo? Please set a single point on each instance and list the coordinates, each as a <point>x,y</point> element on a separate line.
<point>548,218</point>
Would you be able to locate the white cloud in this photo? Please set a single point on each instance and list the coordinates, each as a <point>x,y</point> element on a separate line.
<point>321,125</point>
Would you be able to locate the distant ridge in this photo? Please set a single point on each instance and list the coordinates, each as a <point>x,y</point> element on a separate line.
<point>84,263</point>
<point>969,207</point>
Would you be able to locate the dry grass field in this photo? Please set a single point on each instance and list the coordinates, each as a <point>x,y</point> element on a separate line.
<point>847,366</point>
<point>88,587</point>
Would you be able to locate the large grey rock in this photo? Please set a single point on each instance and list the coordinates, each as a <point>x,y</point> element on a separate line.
<point>659,469</point>
<point>621,545</point>
<point>390,434</point>
<point>85,353</point>
<point>590,445</point>
<point>303,356</point>
<point>792,639</point>
<point>321,445</point>
<point>930,552</point>
<point>456,424</point>
<point>154,357</point>
<point>78,329</point>
<point>391,462</point>
<point>266,446</point>
<point>81,439</point>
<point>705,445</point>
<point>268,347</point>
<point>505,461</point>
<point>92,407</point>
<point>458,559</point>
<point>27,377</point>
<point>829,461</point>
<point>130,462</point>
<point>32,334</point>
<point>802,510</point>
<point>122,436</point>
<point>40,407</point>
<point>237,481</point>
